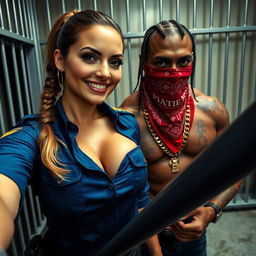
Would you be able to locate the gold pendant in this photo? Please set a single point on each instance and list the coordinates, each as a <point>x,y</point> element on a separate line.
<point>174,164</point>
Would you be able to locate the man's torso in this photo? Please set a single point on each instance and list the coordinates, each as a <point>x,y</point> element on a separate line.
<point>208,119</point>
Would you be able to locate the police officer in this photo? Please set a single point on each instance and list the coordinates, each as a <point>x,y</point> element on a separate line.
<point>90,172</point>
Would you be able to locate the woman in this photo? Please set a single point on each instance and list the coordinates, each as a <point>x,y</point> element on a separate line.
<point>90,172</point>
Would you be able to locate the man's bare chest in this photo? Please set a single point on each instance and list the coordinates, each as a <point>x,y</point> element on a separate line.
<point>202,133</point>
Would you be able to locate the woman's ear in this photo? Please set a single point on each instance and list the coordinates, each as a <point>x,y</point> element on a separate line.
<point>59,60</point>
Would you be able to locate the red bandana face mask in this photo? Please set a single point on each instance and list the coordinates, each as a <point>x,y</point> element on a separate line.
<point>166,96</point>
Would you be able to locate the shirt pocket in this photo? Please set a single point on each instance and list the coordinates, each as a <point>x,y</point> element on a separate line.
<point>140,171</point>
<point>64,198</point>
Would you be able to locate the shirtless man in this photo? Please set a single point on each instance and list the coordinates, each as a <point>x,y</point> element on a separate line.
<point>177,122</point>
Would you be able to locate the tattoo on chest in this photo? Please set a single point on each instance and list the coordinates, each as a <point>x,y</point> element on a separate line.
<point>201,130</point>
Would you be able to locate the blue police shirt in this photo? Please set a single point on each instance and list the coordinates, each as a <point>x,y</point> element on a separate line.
<point>87,209</point>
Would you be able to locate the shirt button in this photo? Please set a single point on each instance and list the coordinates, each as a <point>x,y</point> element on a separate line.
<point>111,186</point>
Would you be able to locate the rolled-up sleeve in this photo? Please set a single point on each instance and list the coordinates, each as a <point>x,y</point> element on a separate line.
<point>18,152</point>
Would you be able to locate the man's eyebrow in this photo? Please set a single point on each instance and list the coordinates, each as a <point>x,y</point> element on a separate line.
<point>161,58</point>
<point>186,56</point>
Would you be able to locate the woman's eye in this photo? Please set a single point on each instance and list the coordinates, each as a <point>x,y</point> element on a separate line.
<point>89,58</point>
<point>116,63</point>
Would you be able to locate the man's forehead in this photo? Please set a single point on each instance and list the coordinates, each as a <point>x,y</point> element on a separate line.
<point>172,41</point>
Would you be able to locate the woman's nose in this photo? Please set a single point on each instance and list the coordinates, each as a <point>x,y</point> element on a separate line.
<point>103,71</point>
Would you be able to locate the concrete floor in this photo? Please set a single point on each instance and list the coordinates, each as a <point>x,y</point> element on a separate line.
<point>233,235</point>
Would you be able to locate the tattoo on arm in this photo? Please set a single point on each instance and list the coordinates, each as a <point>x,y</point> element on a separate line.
<point>201,129</point>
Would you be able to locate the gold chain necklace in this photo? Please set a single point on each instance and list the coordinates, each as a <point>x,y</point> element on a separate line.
<point>174,162</point>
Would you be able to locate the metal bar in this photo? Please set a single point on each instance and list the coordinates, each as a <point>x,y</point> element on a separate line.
<point>26,219</point>
<point>13,248</point>
<point>48,15</point>
<point>160,10</point>
<point>1,17</point>
<point>12,35</point>
<point>20,234</point>
<point>25,20</point>
<point>8,15</point>
<point>25,79</point>
<point>209,80</point>
<point>95,5</point>
<point>2,126</point>
<point>241,81</point>
<point>17,80</point>
<point>111,8</point>
<point>33,221</point>
<point>129,43</point>
<point>222,30</point>
<point>194,13</point>
<point>144,15</point>
<point>15,17</point>
<point>178,10</point>
<point>63,6</point>
<point>29,15</point>
<point>129,49</point>
<point>127,5</point>
<point>79,5</point>
<point>220,175</point>
<point>21,19</point>
<point>225,79</point>
<point>112,15</point>
<point>38,210</point>
<point>37,45</point>
<point>7,83</point>
<point>192,31</point>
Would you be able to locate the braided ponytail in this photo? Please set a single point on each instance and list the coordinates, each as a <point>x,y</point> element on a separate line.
<point>48,143</point>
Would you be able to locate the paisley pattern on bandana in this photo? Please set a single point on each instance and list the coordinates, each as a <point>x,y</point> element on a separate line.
<point>165,95</point>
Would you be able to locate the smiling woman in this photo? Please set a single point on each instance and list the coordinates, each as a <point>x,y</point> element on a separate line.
<point>90,172</point>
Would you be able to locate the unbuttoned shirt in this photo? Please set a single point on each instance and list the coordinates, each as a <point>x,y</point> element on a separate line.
<point>89,207</point>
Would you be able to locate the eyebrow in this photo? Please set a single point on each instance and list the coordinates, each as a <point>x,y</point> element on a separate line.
<point>166,58</point>
<point>98,52</point>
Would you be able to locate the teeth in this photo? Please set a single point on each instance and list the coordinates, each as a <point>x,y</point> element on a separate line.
<point>97,86</point>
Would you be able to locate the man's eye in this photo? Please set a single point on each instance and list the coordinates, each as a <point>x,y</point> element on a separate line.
<point>161,64</point>
<point>89,58</point>
<point>184,62</point>
<point>116,63</point>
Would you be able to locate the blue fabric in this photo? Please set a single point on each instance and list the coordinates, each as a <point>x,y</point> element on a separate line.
<point>86,210</point>
<point>173,247</point>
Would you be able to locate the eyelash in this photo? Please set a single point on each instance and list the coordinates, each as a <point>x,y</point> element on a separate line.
<point>90,58</point>
<point>116,63</point>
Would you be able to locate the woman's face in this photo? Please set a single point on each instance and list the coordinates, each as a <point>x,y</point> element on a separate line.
<point>92,68</point>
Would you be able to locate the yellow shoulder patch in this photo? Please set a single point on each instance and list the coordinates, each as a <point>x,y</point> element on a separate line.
<point>11,132</point>
<point>120,109</point>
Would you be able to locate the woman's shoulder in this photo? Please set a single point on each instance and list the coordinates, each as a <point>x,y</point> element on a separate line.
<point>28,126</point>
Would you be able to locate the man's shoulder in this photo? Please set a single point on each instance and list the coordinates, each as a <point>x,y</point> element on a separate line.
<point>131,103</point>
<point>213,108</point>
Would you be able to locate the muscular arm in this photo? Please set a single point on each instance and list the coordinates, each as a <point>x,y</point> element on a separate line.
<point>9,205</point>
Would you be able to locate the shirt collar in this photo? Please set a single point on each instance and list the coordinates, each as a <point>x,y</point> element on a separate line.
<point>65,122</point>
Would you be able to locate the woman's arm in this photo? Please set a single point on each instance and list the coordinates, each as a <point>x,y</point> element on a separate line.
<point>9,206</point>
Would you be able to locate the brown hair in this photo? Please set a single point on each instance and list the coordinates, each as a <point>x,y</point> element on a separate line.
<point>63,35</point>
